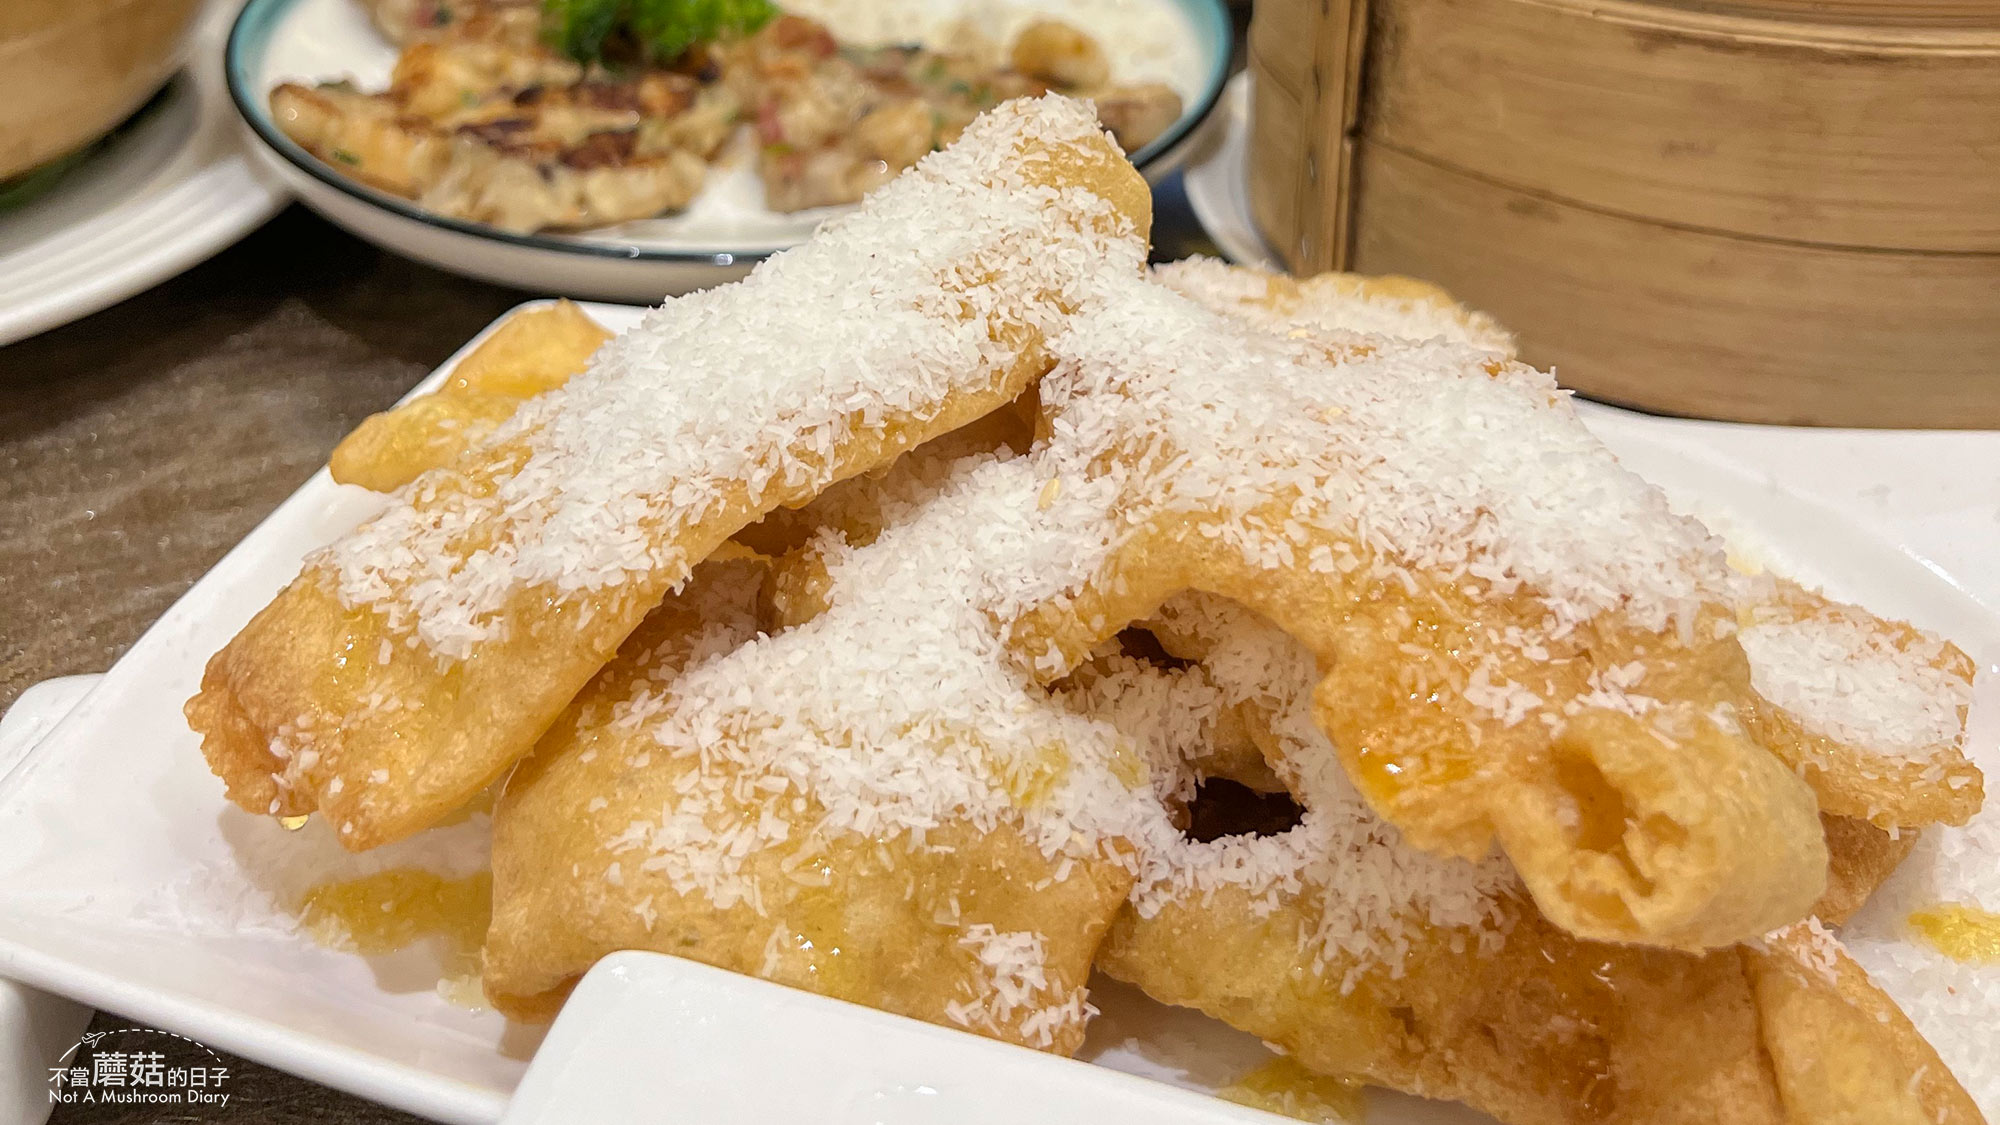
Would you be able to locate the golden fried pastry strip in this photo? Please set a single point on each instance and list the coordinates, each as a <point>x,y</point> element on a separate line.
<point>1363,962</point>
<point>1868,717</point>
<point>1871,712</point>
<point>904,824</point>
<point>1840,1049</point>
<point>924,928</point>
<point>416,659</point>
<point>1536,1027</point>
<point>1397,307</point>
<point>1524,643</point>
<point>532,351</point>
<point>1251,651</point>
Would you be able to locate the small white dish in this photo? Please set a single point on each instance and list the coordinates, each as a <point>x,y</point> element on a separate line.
<point>1217,178</point>
<point>168,191</point>
<point>652,1038</point>
<point>35,1026</point>
<point>128,882</point>
<point>727,229</point>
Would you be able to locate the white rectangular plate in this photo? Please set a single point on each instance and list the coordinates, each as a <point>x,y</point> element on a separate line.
<point>128,882</point>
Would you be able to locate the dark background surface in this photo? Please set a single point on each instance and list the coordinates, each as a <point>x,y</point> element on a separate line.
<point>138,445</point>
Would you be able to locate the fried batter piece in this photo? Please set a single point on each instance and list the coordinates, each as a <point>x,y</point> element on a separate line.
<point>1524,642</point>
<point>959,925</point>
<point>530,352</point>
<point>1535,1027</point>
<point>415,660</point>
<point>1262,671</point>
<point>1871,712</point>
<point>1365,959</point>
<point>1402,308</point>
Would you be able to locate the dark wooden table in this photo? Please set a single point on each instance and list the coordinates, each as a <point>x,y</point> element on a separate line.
<point>138,445</point>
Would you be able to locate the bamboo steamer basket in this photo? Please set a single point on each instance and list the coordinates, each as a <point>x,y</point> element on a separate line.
<point>1760,210</point>
<point>70,70</point>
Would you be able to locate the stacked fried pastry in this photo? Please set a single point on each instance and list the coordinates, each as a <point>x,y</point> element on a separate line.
<point>875,624</point>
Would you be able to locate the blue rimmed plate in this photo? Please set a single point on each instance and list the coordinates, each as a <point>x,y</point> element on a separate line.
<point>1184,43</point>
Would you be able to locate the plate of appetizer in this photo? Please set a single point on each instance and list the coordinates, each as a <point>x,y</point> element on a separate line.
<point>626,151</point>
<point>1268,687</point>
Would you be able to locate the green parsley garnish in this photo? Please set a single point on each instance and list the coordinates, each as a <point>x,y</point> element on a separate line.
<point>345,157</point>
<point>660,29</point>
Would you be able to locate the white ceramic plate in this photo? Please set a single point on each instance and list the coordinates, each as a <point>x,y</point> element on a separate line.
<point>727,229</point>
<point>1217,178</point>
<point>170,190</point>
<point>128,882</point>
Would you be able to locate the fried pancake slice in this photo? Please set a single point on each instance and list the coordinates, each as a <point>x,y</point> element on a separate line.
<point>873,803</point>
<point>416,659</point>
<point>1245,649</point>
<point>1534,1026</point>
<point>1521,642</point>
<point>532,351</point>
<point>1401,308</point>
<point>1365,959</point>
<point>1840,1048</point>
<point>957,925</point>
<point>1871,712</point>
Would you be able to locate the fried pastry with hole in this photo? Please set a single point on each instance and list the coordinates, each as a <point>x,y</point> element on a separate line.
<point>1365,958</point>
<point>1526,644</point>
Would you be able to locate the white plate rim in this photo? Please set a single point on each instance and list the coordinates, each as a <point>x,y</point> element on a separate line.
<point>416,1089</point>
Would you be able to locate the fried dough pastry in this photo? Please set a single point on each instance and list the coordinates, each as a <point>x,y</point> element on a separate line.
<point>955,925</point>
<point>532,351</point>
<point>416,659</point>
<point>1524,643</point>
<point>1871,712</point>
<point>907,822</point>
<point>1402,308</point>
<point>1536,1027</point>
<point>1365,958</point>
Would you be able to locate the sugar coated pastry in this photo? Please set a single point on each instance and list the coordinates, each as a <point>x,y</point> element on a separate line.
<point>1401,308</point>
<point>958,605</point>
<point>1363,957</point>
<point>416,659</point>
<point>1527,644</point>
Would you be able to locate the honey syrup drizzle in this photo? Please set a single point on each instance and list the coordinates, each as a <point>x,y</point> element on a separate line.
<point>1284,1087</point>
<point>1962,933</point>
<point>395,909</point>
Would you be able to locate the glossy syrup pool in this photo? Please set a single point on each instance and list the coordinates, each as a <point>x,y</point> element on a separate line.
<point>394,910</point>
<point>1282,1086</point>
<point>1962,933</point>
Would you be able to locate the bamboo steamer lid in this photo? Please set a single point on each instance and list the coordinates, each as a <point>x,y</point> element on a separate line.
<point>1765,210</point>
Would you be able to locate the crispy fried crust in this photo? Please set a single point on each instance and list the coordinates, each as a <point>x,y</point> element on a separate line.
<point>1842,1052</point>
<point>1620,831</point>
<point>319,705</point>
<point>532,351</point>
<point>880,923</point>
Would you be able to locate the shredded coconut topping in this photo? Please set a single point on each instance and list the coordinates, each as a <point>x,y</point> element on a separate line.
<point>748,388</point>
<point>1845,681</point>
<point>1329,303</point>
<point>1016,987</point>
<point>1375,891</point>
